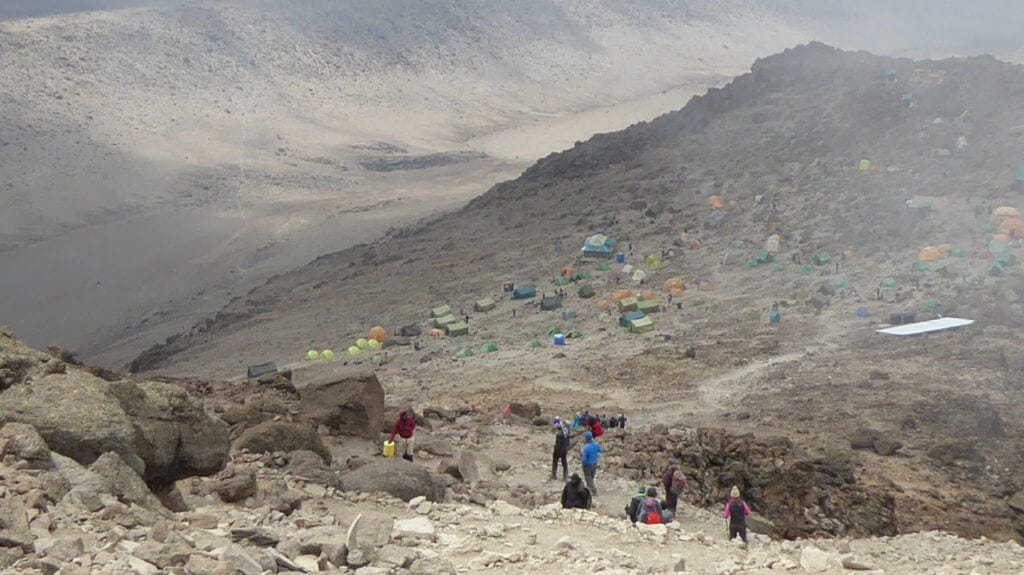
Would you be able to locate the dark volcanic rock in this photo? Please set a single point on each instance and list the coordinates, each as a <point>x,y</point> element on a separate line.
<point>350,403</point>
<point>271,436</point>
<point>395,476</point>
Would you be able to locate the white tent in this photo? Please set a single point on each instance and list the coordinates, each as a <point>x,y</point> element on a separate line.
<point>627,269</point>
<point>639,276</point>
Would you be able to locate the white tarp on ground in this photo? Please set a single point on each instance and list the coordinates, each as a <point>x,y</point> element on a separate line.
<point>940,324</point>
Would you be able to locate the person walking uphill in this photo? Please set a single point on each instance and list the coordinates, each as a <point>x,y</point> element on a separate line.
<point>405,428</point>
<point>674,483</point>
<point>591,454</point>
<point>736,511</point>
<point>561,450</point>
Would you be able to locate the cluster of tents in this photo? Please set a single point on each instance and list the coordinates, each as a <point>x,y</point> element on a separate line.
<point>1006,227</point>
<point>374,341</point>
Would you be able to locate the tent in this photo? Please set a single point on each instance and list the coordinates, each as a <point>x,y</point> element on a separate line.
<point>524,292</point>
<point>486,304</point>
<point>648,306</point>
<point>621,294</point>
<point>639,276</point>
<point>574,334</point>
<point>378,333</point>
<point>627,269</point>
<point>489,348</point>
<point>625,318</point>
<point>641,325</point>
<point>715,202</point>
<point>628,304</point>
<point>586,291</point>
<point>440,322</point>
<point>771,245</point>
<point>1012,227</point>
<point>598,246</point>
<point>569,314</point>
<point>822,258</point>
<point>673,284</point>
<point>1020,174</point>
<point>441,311</point>
<point>464,352</point>
<point>457,328</point>
<point>261,369</point>
<point>550,302</point>
<point>928,254</point>
<point>1005,212</point>
<point>411,330</point>
<point>534,344</point>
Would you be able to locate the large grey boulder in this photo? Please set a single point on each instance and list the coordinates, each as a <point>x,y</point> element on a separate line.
<point>173,433</point>
<point>124,482</point>
<point>271,436</point>
<point>21,441</point>
<point>347,402</point>
<point>76,414</point>
<point>395,476</point>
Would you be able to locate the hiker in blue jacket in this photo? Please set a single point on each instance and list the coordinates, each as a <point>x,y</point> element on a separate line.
<point>591,454</point>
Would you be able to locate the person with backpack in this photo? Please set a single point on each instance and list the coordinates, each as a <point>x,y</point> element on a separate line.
<point>591,454</point>
<point>736,511</point>
<point>622,421</point>
<point>405,428</point>
<point>596,428</point>
<point>575,495</point>
<point>561,450</point>
<point>650,511</point>
<point>674,483</point>
<point>633,509</point>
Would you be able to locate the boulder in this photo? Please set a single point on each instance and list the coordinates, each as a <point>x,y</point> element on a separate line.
<point>124,482</point>
<point>475,467</point>
<point>14,530</point>
<point>311,466</point>
<point>1017,502</point>
<point>395,476</point>
<point>440,446</point>
<point>525,410</point>
<point>864,438</point>
<point>415,528</point>
<point>886,446</point>
<point>814,560</point>
<point>21,441</point>
<point>76,414</point>
<point>162,555</point>
<point>234,484</point>
<point>173,433</point>
<point>271,436</point>
<point>349,402</point>
<point>432,566</point>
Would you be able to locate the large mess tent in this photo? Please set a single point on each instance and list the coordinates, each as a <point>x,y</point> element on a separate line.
<point>598,246</point>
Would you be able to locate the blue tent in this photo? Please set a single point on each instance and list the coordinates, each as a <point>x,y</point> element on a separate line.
<point>524,292</point>
<point>1020,173</point>
<point>598,246</point>
<point>625,318</point>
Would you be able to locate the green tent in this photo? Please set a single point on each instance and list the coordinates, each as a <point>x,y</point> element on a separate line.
<point>568,314</point>
<point>920,267</point>
<point>995,269</point>
<point>929,305</point>
<point>464,352</point>
<point>1006,259</point>
<point>489,348</point>
<point>761,258</point>
<point>442,321</point>
<point>627,317</point>
<point>598,246</point>
<point>628,304</point>
<point>552,331</point>
<point>534,344</point>
<point>441,311</point>
<point>822,258</point>
<point>778,268</point>
<point>648,306</point>
<point>524,292</point>
<point>959,253</point>
<point>486,304</point>
<point>841,283</point>
<point>586,291</point>
<point>575,334</point>
<point>1020,174</point>
<point>641,325</point>
<point>550,302</point>
<point>806,268</point>
<point>603,267</point>
<point>889,283</point>
<point>563,281</point>
<point>458,328</point>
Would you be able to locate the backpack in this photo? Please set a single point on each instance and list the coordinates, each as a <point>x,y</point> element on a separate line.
<point>736,516</point>
<point>678,483</point>
<point>649,511</point>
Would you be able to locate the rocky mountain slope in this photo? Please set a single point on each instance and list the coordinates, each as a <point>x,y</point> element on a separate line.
<point>781,149</point>
<point>304,490</point>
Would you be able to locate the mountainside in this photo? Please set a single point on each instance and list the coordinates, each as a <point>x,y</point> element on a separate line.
<point>781,149</point>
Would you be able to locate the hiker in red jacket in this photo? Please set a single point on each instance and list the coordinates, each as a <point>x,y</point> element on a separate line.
<point>405,428</point>
<point>595,427</point>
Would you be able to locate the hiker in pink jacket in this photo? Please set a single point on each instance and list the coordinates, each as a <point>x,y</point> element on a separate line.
<point>736,511</point>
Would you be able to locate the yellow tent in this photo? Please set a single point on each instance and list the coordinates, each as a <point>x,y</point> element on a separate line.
<point>1005,212</point>
<point>715,202</point>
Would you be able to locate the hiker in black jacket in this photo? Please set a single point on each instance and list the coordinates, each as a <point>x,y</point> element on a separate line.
<point>575,494</point>
<point>561,450</point>
<point>633,509</point>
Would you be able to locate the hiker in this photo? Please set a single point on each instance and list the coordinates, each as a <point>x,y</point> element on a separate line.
<point>674,483</point>
<point>736,511</point>
<point>613,422</point>
<point>591,454</point>
<point>467,318</point>
<point>633,509</point>
<point>577,421</point>
<point>575,495</point>
<point>595,427</point>
<point>561,450</point>
<point>513,313</point>
<point>622,421</point>
<point>650,511</point>
<point>405,428</point>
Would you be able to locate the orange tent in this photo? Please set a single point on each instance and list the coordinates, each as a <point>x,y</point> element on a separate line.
<point>378,333</point>
<point>648,295</point>
<point>676,292</point>
<point>929,254</point>
<point>1005,212</point>
<point>436,332</point>
<point>567,271</point>
<point>621,294</point>
<point>603,304</point>
<point>715,202</point>
<point>1012,227</point>
<point>705,285</point>
<point>673,283</point>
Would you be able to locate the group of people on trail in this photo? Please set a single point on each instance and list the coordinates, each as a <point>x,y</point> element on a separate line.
<point>578,493</point>
<point>597,424</point>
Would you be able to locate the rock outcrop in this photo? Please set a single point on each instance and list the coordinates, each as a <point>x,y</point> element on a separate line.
<point>347,403</point>
<point>394,476</point>
<point>273,436</point>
